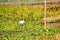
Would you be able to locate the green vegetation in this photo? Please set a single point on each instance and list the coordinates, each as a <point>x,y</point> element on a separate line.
<point>10,16</point>
<point>33,29</point>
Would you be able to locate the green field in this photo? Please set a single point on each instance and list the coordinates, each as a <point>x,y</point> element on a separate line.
<point>33,29</point>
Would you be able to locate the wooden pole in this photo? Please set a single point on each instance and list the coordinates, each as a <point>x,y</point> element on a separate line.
<point>45,14</point>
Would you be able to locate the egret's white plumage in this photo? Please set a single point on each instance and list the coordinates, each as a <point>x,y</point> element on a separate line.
<point>21,22</point>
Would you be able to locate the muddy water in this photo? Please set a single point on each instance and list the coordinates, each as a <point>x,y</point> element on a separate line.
<point>53,25</point>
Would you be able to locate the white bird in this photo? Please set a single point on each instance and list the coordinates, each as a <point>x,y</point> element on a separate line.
<point>21,22</point>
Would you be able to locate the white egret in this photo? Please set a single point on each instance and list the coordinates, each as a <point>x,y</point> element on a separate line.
<point>21,22</point>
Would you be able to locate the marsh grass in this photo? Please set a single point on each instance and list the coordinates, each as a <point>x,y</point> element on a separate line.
<point>33,29</point>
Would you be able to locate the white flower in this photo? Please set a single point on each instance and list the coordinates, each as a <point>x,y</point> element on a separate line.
<point>21,22</point>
